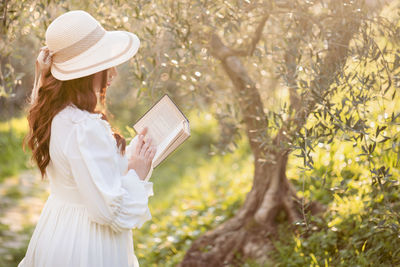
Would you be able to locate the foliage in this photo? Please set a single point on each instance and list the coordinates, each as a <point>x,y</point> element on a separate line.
<point>349,152</point>
<point>12,157</point>
<point>361,114</point>
<point>208,193</point>
<point>358,228</point>
<point>16,53</point>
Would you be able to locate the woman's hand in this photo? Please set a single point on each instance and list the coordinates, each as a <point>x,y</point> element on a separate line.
<point>142,156</point>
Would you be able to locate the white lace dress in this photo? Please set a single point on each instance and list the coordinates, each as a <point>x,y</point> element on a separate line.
<point>94,201</point>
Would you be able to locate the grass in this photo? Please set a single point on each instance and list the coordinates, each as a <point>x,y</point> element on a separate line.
<point>195,192</point>
<point>204,196</point>
<point>12,157</point>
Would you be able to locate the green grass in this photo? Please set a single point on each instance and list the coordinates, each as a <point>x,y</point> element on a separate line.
<point>203,196</point>
<point>12,157</point>
<point>186,158</point>
<point>195,192</point>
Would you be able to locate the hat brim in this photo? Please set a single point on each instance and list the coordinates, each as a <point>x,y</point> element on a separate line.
<point>114,48</point>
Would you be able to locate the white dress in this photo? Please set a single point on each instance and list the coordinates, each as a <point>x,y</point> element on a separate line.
<point>94,201</point>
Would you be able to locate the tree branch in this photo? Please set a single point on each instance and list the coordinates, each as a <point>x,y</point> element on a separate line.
<point>333,62</point>
<point>4,17</point>
<point>221,51</point>
<point>253,41</point>
<point>248,96</point>
<point>290,57</point>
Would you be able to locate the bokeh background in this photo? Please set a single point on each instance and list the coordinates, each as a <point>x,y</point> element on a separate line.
<point>325,79</point>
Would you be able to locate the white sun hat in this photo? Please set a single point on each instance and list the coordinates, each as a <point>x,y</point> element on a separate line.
<point>81,46</point>
<point>77,46</point>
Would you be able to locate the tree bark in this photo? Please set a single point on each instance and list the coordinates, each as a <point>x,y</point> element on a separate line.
<point>248,233</point>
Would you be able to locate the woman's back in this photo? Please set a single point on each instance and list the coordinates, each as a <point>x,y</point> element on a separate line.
<point>97,194</point>
<point>94,200</point>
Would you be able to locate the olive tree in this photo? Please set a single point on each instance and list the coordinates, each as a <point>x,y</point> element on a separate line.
<point>264,48</point>
<point>271,70</point>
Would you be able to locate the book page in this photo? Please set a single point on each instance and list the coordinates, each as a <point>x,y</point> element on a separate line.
<point>180,137</point>
<point>161,120</point>
<point>166,124</point>
<point>166,142</point>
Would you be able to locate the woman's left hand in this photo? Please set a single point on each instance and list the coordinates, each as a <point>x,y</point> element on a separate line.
<point>142,156</point>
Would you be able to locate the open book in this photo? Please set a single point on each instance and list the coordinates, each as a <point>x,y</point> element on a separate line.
<point>167,126</point>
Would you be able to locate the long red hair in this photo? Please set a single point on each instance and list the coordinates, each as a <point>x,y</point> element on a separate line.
<point>54,96</point>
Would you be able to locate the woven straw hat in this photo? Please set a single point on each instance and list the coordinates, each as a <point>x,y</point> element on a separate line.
<point>80,46</point>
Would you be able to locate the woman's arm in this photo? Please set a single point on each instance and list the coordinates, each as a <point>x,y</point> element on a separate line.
<point>120,201</point>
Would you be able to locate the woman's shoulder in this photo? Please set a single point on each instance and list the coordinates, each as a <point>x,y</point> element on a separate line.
<point>85,126</point>
<point>75,115</point>
<point>72,117</point>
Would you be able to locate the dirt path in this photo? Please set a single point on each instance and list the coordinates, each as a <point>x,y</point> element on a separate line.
<point>22,199</point>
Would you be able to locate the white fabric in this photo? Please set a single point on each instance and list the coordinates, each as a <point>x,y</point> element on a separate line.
<point>94,201</point>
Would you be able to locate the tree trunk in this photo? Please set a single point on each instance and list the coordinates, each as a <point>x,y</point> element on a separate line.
<point>249,232</point>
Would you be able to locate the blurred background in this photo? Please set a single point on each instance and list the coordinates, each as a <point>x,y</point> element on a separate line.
<point>293,104</point>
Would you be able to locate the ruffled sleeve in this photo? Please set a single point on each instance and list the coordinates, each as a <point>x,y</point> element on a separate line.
<point>112,198</point>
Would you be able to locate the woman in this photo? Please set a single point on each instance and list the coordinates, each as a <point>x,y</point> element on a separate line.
<point>98,192</point>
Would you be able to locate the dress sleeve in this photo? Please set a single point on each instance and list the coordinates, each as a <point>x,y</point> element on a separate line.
<point>115,199</point>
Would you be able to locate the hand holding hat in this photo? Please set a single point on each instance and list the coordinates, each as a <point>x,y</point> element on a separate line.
<point>78,46</point>
<point>42,68</point>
